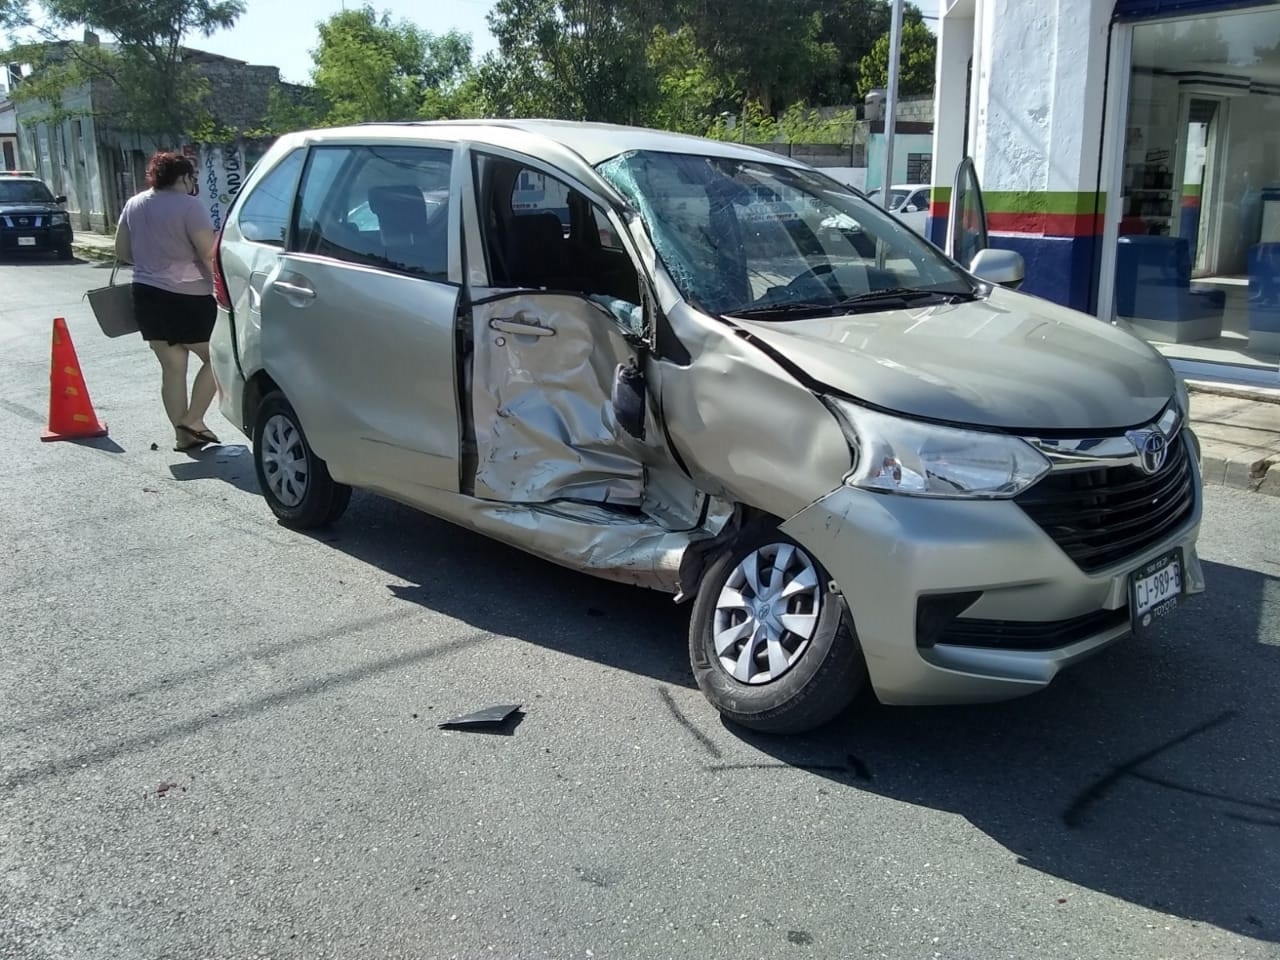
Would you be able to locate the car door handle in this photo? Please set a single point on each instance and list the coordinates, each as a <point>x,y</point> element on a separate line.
<point>295,290</point>
<point>512,325</point>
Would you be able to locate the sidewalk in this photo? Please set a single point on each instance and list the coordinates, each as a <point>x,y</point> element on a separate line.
<point>93,246</point>
<point>1239,429</point>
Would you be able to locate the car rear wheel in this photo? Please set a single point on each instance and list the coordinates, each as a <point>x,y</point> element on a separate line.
<point>771,642</point>
<point>294,481</point>
<point>65,252</point>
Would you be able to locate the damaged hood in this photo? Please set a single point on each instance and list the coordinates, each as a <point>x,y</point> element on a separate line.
<point>1011,361</point>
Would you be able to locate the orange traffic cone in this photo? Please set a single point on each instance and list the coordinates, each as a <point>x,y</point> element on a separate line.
<point>71,415</point>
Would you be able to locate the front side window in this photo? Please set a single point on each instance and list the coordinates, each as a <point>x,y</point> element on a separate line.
<point>754,236</point>
<point>264,215</point>
<point>380,206</point>
<point>540,233</point>
<point>24,191</point>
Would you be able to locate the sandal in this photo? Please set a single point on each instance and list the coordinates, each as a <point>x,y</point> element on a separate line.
<point>192,443</point>
<point>199,436</point>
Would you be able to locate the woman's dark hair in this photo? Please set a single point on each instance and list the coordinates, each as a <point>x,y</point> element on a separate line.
<point>165,169</point>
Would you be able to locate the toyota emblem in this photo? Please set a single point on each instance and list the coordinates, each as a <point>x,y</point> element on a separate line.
<point>1152,449</point>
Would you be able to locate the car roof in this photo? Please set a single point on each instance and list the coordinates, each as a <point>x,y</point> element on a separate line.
<point>594,143</point>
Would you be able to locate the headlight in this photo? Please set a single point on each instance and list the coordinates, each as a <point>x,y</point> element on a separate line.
<point>60,219</point>
<point>895,455</point>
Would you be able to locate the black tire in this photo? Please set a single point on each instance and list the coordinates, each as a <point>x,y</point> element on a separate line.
<point>66,253</point>
<point>322,500</point>
<point>825,679</point>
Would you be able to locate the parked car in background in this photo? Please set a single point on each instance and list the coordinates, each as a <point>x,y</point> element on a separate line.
<point>32,219</point>
<point>909,202</point>
<point>718,373</point>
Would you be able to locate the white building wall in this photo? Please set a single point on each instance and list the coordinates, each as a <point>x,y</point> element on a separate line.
<point>1040,69</point>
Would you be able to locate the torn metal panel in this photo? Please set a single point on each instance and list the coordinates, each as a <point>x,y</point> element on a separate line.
<point>621,546</point>
<point>744,426</point>
<point>542,376</point>
<point>490,718</point>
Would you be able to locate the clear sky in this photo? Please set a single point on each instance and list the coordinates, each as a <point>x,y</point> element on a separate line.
<point>282,33</point>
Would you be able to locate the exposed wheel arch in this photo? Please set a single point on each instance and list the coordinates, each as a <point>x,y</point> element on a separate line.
<point>702,553</point>
<point>258,386</point>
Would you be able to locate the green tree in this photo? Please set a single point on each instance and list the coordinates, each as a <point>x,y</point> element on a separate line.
<point>916,64</point>
<point>369,68</point>
<point>690,94</point>
<point>571,59</point>
<point>852,27</point>
<point>780,52</point>
<point>145,82</point>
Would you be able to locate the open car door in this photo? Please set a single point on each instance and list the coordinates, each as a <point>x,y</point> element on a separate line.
<point>967,239</point>
<point>967,221</point>
<point>558,403</point>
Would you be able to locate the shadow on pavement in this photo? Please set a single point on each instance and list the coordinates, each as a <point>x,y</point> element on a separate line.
<point>43,259</point>
<point>496,588</point>
<point>229,463</point>
<point>1150,773</point>
<point>105,444</point>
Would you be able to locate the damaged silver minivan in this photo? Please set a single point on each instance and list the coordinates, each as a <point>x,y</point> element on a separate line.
<point>715,372</point>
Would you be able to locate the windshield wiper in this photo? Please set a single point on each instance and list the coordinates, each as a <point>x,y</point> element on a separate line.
<point>873,298</point>
<point>903,295</point>
<point>784,306</point>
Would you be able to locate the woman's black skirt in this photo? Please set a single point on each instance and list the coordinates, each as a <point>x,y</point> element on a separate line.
<point>173,317</point>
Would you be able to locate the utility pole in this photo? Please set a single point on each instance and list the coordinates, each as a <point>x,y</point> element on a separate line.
<point>891,100</point>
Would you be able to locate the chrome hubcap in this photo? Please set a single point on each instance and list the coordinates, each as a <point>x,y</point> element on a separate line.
<point>284,460</point>
<point>767,613</point>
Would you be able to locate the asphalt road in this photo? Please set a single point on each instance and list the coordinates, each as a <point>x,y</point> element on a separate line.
<point>219,740</point>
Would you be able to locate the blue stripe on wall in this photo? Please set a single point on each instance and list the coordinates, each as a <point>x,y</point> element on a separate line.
<point>1161,9</point>
<point>1060,269</point>
<point>936,230</point>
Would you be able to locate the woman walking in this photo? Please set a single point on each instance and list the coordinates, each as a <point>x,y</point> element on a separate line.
<point>167,235</point>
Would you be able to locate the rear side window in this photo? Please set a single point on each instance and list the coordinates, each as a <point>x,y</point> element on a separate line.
<point>264,215</point>
<point>381,206</point>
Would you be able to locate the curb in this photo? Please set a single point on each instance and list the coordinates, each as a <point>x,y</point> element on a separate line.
<point>89,251</point>
<point>1256,476</point>
<point>1263,394</point>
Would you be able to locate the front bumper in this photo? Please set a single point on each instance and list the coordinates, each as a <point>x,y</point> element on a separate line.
<point>888,553</point>
<point>42,239</point>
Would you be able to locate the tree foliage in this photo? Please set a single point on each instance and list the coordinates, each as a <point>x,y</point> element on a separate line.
<point>571,59</point>
<point>368,67</point>
<point>717,67</point>
<point>916,64</point>
<point>152,87</point>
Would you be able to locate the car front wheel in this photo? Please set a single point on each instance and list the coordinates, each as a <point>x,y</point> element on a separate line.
<point>771,643</point>
<point>294,481</point>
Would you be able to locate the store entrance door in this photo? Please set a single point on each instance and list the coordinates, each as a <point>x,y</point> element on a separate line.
<point>1202,120</point>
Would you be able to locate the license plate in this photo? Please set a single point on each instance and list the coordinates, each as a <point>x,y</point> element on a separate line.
<point>26,241</point>
<point>1154,590</point>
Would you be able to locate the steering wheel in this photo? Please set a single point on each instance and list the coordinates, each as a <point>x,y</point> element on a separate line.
<point>825,274</point>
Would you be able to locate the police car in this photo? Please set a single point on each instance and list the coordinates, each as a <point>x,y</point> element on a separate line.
<point>31,217</point>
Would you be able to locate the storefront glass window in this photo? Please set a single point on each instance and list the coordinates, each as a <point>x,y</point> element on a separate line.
<point>1198,252</point>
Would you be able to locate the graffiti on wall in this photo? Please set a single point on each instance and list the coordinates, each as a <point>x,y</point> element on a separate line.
<point>220,172</point>
<point>221,176</point>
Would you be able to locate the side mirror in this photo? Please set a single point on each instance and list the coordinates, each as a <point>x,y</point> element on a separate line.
<point>629,399</point>
<point>60,199</point>
<point>1003,267</point>
<point>910,208</point>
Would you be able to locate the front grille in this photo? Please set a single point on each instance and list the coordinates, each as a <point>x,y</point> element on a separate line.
<point>1103,515</point>
<point>1031,635</point>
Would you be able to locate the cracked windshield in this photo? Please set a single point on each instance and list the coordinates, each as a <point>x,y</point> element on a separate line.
<point>761,239</point>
